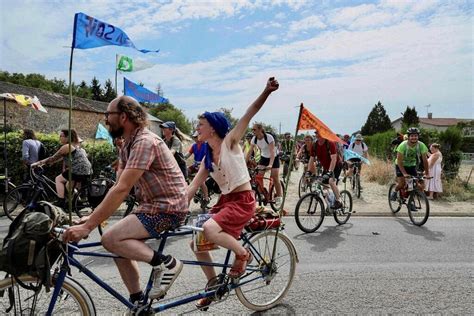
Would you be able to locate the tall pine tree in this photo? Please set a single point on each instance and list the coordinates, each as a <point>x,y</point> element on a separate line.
<point>377,121</point>
<point>109,94</point>
<point>96,90</point>
<point>410,118</point>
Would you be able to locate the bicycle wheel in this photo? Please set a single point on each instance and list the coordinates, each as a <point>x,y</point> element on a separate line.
<point>272,279</point>
<point>273,194</point>
<point>357,185</point>
<point>17,199</point>
<point>418,208</point>
<point>73,299</point>
<point>309,212</point>
<point>303,186</point>
<point>10,187</point>
<point>342,215</point>
<point>396,205</point>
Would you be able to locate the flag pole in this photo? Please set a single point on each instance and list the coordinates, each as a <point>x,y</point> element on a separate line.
<point>69,189</point>
<point>5,142</point>
<point>116,66</point>
<point>288,174</point>
<point>280,210</point>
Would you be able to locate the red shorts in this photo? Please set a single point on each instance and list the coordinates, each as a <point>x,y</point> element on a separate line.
<point>233,211</point>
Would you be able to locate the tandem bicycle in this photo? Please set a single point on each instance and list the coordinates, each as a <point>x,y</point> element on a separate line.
<point>264,284</point>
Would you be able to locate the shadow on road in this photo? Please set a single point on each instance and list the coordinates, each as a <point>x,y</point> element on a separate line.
<point>329,238</point>
<point>422,231</point>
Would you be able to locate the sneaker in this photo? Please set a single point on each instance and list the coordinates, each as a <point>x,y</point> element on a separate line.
<point>337,205</point>
<point>394,196</point>
<point>278,201</point>
<point>163,277</point>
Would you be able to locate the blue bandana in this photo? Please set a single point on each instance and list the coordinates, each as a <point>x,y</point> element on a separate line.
<point>221,125</point>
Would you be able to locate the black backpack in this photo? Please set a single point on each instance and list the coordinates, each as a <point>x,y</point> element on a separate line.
<point>29,247</point>
<point>42,153</point>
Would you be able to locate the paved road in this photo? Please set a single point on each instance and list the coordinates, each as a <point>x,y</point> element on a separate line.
<point>368,266</point>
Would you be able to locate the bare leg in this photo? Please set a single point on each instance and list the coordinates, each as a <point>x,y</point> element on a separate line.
<point>334,188</point>
<point>60,181</point>
<point>122,239</point>
<point>275,174</point>
<point>215,234</point>
<point>205,192</point>
<point>205,256</point>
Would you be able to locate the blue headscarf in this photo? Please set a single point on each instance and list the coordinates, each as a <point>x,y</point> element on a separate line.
<point>221,125</point>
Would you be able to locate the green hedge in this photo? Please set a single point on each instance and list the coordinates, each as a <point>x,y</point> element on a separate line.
<point>100,154</point>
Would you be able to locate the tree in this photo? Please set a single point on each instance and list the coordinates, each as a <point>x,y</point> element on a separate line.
<point>168,112</point>
<point>84,91</point>
<point>109,94</point>
<point>96,90</point>
<point>377,121</point>
<point>410,118</point>
<point>228,114</point>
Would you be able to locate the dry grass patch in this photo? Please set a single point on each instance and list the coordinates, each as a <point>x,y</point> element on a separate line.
<point>379,171</point>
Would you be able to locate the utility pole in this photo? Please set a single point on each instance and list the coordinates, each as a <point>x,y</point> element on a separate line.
<point>427,109</point>
<point>279,130</point>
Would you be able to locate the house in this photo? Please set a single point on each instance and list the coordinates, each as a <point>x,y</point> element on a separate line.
<point>439,124</point>
<point>86,114</point>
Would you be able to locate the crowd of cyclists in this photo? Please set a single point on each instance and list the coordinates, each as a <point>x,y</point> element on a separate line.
<point>156,168</point>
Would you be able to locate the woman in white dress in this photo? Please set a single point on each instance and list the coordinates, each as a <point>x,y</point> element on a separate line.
<point>434,163</point>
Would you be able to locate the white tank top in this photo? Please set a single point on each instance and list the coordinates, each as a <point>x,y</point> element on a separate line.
<point>231,171</point>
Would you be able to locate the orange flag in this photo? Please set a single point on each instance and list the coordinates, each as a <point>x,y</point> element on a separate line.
<point>309,121</point>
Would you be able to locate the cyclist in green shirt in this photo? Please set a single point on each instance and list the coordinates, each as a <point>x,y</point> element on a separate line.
<point>409,153</point>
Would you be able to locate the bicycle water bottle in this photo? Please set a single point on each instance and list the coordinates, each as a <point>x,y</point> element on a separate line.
<point>410,184</point>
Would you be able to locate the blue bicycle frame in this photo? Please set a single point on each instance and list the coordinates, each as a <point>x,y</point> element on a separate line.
<point>74,250</point>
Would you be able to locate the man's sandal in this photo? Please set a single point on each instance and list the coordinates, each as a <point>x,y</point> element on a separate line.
<point>240,264</point>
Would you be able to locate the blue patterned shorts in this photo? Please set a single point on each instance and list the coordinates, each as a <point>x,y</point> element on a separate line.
<point>155,224</point>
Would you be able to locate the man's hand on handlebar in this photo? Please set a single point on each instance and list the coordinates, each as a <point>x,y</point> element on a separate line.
<point>76,233</point>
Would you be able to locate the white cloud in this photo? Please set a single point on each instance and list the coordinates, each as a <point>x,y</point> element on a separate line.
<point>308,23</point>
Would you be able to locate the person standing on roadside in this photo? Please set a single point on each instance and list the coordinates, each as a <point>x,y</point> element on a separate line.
<point>30,148</point>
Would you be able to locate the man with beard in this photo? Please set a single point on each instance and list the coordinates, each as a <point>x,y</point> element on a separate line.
<point>146,164</point>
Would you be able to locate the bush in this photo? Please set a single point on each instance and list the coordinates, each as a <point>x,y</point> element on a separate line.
<point>100,154</point>
<point>380,144</point>
<point>451,141</point>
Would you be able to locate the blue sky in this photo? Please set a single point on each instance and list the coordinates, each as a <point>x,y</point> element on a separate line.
<point>339,58</point>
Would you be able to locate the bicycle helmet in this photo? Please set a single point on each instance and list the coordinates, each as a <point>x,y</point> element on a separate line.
<point>413,130</point>
<point>249,135</point>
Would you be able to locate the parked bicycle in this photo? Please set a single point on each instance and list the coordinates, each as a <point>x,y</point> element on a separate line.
<point>265,283</point>
<point>263,195</point>
<point>413,197</point>
<point>312,207</point>
<point>39,188</point>
<point>5,187</point>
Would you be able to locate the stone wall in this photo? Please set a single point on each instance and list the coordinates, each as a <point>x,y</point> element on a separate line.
<point>85,123</point>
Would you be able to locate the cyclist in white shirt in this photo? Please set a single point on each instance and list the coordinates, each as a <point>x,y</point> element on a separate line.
<point>268,157</point>
<point>359,147</point>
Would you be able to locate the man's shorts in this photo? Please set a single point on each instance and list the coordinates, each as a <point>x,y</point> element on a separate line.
<point>410,170</point>
<point>264,161</point>
<point>155,224</point>
<point>337,171</point>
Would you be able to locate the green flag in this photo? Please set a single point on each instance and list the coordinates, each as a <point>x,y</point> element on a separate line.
<point>127,64</point>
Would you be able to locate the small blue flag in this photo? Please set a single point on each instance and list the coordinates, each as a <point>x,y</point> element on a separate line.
<point>349,154</point>
<point>140,93</point>
<point>90,32</point>
<point>103,133</point>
